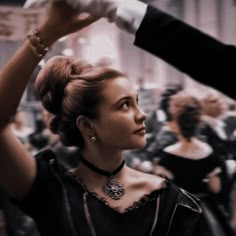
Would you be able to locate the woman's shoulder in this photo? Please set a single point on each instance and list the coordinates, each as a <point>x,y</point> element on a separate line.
<point>199,150</point>
<point>48,166</point>
<point>174,195</point>
<point>50,156</point>
<point>145,180</point>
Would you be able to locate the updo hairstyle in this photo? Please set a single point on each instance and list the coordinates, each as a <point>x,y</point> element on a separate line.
<point>69,87</point>
<point>186,110</point>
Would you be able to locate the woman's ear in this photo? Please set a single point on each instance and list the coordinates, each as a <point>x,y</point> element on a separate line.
<point>84,125</point>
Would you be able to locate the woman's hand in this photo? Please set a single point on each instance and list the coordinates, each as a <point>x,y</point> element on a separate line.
<point>61,20</point>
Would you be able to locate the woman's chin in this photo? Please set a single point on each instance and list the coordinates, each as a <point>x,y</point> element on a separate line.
<point>139,145</point>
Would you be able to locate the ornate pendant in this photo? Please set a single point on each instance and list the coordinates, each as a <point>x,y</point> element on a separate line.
<point>113,189</point>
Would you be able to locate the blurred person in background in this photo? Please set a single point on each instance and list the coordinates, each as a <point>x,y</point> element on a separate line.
<point>213,132</point>
<point>38,139</point>
<point>213,126</point>
<point>21,129</point>
<point>193,163</point>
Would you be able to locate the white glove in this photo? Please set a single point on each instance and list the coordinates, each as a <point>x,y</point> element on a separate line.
<point>36,3</point>
<point>127,14</point>
<point>101,8</point>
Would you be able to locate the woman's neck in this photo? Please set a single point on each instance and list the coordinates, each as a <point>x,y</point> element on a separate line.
<point>184,141</point>
<point>104,160</point>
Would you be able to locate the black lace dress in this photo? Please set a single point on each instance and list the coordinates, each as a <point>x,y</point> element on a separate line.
<point>62,206</point>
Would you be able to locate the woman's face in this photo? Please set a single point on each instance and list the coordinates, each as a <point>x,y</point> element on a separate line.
<point>120,124</point>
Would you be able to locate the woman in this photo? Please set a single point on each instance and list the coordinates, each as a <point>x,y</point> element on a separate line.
<point>97,110</point>
<point>192,163</point>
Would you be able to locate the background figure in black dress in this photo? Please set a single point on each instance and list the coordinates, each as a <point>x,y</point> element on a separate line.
<point>193,164</point>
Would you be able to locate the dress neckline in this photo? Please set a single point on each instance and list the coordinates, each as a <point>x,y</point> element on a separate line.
<point>145,199</point>
<point>186,158</point>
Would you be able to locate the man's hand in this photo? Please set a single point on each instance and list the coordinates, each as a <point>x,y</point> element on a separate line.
<point>36,3</point>
<point>126,14</point>
<point>100,8</point>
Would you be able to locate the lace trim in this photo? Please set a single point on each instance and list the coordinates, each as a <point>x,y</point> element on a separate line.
<point>137,204</point>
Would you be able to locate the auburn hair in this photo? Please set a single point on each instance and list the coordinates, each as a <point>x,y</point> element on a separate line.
<point>69,87</point>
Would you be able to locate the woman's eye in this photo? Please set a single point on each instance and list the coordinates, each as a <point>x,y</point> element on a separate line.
<point>125,105</point>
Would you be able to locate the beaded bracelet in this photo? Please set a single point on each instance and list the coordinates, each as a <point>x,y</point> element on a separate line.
<point>37,45</point>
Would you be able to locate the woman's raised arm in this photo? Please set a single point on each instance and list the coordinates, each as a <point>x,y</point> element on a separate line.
<point>17,166</point>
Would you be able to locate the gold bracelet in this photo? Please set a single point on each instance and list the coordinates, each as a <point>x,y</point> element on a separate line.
<point>37,45</point>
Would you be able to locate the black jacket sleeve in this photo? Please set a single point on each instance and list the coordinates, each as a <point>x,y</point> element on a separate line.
<point>191,51</point>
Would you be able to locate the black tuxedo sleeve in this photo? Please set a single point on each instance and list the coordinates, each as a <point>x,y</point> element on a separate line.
<point>191,51</point>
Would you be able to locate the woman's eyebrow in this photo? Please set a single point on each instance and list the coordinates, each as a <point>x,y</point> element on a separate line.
<point>130,97</point>
<point>121,99</point>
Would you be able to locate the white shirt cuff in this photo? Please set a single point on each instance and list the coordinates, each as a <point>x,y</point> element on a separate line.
<point>130,14</point>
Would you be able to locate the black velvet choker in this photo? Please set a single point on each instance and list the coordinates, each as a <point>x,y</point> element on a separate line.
<point>112,187</point>
<point>99,171</point>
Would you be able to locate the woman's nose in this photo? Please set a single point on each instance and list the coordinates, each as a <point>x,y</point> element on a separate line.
<point>141,115</point>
